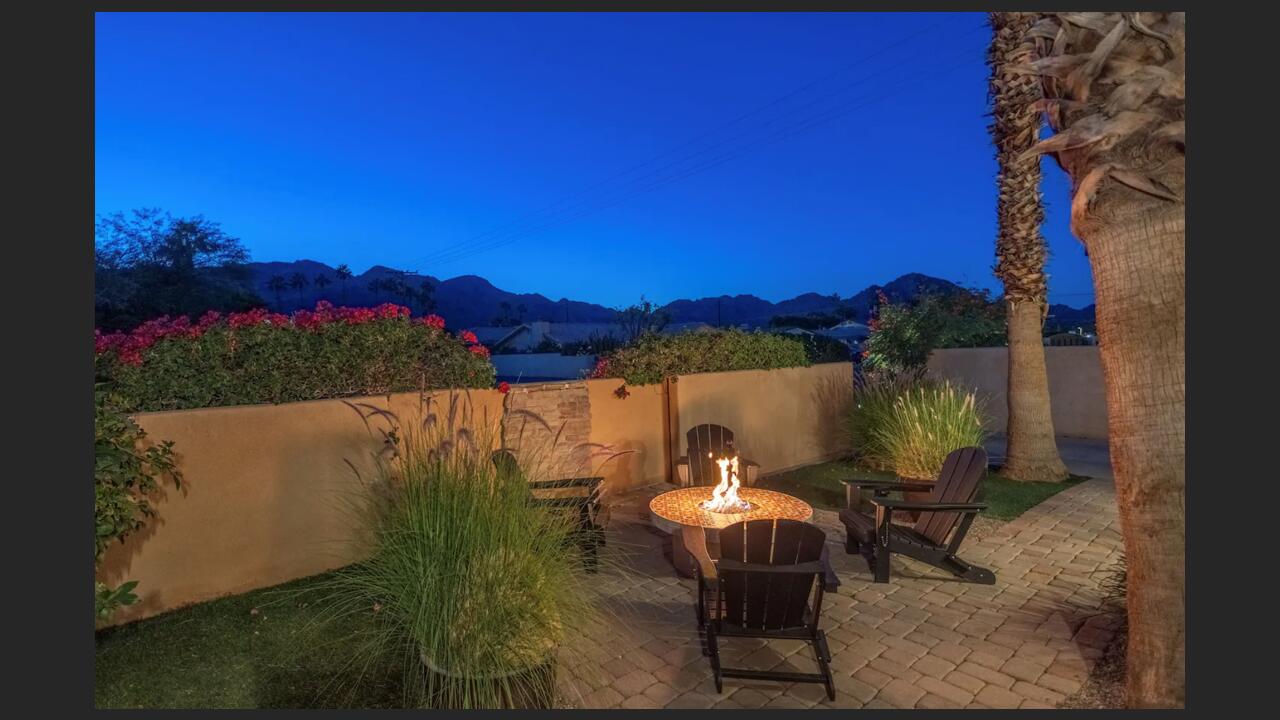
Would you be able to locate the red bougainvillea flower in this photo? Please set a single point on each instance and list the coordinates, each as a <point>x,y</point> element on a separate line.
<point>504,387</point>
<point>601,369</point>
<point>434,321</point>
<point>468,337</point>
<point>480,350</point>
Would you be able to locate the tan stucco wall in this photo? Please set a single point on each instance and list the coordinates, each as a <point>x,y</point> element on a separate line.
<point>265,497</point>
<point>266,490</point>
<point>632,425</point>
<point>1076,391</point>
<point>780,418</point>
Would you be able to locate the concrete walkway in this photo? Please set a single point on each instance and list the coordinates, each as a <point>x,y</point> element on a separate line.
<point>1082,456</point>
<point>924,640</point>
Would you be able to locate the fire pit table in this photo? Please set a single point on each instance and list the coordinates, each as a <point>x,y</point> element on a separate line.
<point>675,510</point>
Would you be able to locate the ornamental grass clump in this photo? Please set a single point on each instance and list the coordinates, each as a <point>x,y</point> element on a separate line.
<point>468,586</point>
<point>924,424</point>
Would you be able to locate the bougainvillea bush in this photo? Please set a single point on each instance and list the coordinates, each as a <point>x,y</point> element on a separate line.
<point>654,357</point>
<point>263,357</point>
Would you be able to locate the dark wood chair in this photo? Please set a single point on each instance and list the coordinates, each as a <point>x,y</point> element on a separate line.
<point>768,583</point>
<point>708,443</point>
<point>953,503</point>
<point>579,495</point>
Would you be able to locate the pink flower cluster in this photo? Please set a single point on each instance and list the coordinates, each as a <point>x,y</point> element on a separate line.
<point>473,343</point>
<point>130,346</point>
<point>601,370</point>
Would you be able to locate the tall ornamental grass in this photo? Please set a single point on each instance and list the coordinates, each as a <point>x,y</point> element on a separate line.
<point>924,425</point>
<point>908,424</point>
<point>472,587</point>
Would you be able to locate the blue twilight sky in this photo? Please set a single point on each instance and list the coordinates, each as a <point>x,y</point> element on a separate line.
<point>589,156</point>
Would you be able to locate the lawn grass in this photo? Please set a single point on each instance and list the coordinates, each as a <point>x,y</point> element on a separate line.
<point>256,650</point>
<point>821,486</point>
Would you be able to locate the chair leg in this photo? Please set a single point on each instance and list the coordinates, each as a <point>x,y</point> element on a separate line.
<point>881,565</point>
<point>823,654</point>
<point>972,573</point>
<point>850,543</point>
<point>714,648</point>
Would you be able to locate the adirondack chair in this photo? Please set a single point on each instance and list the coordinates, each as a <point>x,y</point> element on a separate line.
<point>761,588</point>
<point>708,443</point>
<point>580,495</point>
<point>953,501</point>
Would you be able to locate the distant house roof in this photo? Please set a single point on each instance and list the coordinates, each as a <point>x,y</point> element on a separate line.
<point>847,330</point>
<point>530,335</point>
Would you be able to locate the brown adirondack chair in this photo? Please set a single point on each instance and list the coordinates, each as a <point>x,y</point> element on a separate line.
<point>579,495</point>
<point>762,587</point>
<point>952,505</point>
<point>708,443</point>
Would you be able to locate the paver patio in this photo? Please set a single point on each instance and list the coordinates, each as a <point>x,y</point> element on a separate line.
<point>923,640</point>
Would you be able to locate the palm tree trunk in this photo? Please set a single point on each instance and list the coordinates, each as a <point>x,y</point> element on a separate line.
<point>1139,276</point>
<point>1032,451</point>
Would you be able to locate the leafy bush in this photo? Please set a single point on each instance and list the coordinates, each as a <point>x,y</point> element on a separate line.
<point>654,357</point>
<point>909,425</point>
<point>902,336</point>
<point>822,349</point>
<point>125,471</point>
<point>261,357</point>
<point>464,575</point>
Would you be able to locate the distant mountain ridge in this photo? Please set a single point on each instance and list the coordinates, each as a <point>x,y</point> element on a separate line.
<point>470,300</point>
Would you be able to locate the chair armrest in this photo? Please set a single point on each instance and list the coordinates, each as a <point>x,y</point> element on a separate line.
<point>695,541</point>
<point>879,485</point>
<point>585,482</point>
<point>909,505</point>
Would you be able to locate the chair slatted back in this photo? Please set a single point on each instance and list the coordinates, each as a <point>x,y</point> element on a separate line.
<point>708,443</point>
<point>765,600</point>
<point>958,482</point>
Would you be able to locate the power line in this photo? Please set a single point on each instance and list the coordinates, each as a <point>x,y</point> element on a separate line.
<point>448,254</point>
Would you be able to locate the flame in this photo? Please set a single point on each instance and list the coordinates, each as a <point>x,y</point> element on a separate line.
<point>724,497</point>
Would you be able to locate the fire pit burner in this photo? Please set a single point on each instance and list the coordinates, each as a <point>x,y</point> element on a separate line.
<point>724,498</point>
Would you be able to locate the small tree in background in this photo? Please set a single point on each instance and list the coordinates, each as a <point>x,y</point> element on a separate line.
<point>321,282</point>
<point>904,335</point>
<point>277,285</point>
<point>343,273</point>
<point>643,318</point>
<point>298,282</point>
<point>149,263</point>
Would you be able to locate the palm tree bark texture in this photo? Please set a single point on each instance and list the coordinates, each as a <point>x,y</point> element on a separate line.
<point>1115,92</point>
<point>1032,452</point>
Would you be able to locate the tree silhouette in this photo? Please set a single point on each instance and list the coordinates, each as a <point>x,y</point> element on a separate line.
<point>427,296</point>
<point>298,281</point>
<point>149,263</point>
<point>277,285</point>
<point>344,274</point>
<point>321,282</point>
<point>642,319</point>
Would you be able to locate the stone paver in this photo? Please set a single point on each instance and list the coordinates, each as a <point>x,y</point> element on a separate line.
<point>924,640</point>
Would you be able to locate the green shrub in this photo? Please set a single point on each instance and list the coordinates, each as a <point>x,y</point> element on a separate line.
<point>125,471</point>
<point>909,425</point>
<point>822,349</point>
<point>471,586</point>
<point>903,335</point>
<point>655,357</point>
<point>259,357</point>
